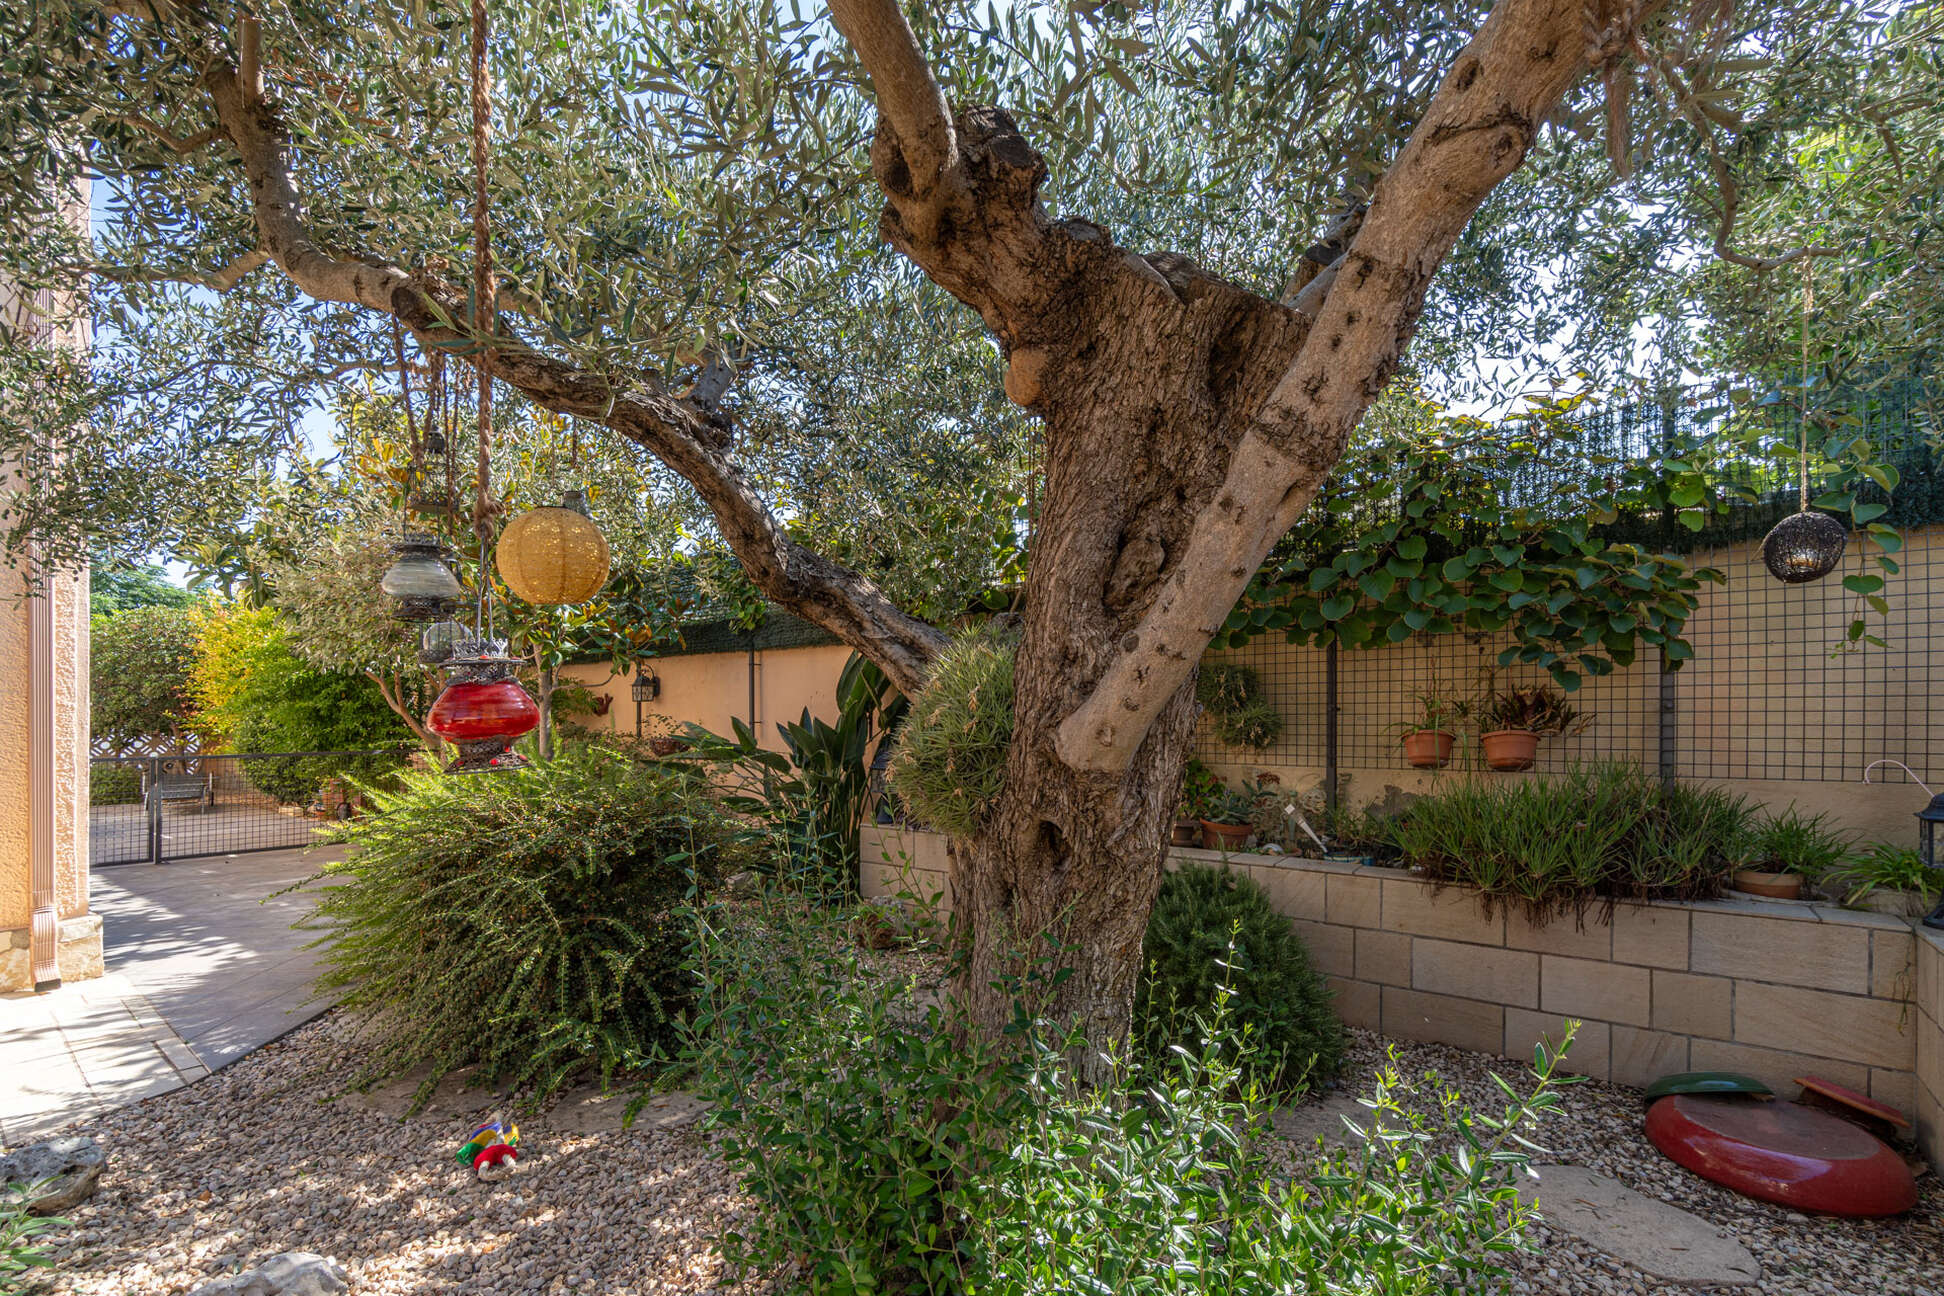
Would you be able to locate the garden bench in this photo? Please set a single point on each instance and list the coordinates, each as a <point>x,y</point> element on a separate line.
<point>184,789</point>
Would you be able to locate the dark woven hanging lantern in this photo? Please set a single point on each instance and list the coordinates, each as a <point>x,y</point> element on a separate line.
<point>1804,547</point>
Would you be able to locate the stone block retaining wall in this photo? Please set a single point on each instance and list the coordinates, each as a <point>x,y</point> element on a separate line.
<point>1929,1014</point>
<point>1774,989</point>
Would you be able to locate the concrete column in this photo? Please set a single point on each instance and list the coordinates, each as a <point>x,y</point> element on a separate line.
<point>47,934</point>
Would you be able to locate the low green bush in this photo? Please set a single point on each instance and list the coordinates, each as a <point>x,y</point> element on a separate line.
<point>21,1231</point>
<point>948,760</point>
<point>115,785</point>
<point>1214,931</point>
<point>532,923</point>
<point>1551,846</point>
<point>886,1153</point>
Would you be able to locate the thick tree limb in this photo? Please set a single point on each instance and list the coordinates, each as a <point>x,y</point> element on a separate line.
<point>685,437</point>
<point>1477,129</point>
<point>909,98</point>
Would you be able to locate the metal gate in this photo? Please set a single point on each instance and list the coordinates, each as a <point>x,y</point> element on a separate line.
<point>150,809</point>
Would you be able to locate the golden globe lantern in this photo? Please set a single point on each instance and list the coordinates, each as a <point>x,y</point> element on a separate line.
<point>554,555</point>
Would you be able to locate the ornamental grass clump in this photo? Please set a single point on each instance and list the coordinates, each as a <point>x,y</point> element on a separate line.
<point>533,924</point>
<point>1214,936</point>
<point>1600,832</point>
<point>948,761</point>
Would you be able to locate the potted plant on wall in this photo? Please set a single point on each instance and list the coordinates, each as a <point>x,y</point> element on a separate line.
<point>1515,720</point>
<point>1428,739</point>
<point>1199,790</point>
<point>1784,852</point>
<point>1227,819</point>
<point>1882,878</point>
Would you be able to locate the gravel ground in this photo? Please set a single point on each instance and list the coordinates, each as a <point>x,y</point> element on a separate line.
<point>252,1161</point>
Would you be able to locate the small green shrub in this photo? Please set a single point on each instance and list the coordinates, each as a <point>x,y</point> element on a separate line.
<point>1201,789</point>
<point>20,1252</point>
<point>1224,687</point>
<point>1881,866</point>
<point>948,761</point>
<point>886,1153</point>
<point>1793,842</point>
<point>531,923</point>
<point>1255,724</point>
<point>114,785</point>
<point>1213,929</point>
<point>1550,846</point>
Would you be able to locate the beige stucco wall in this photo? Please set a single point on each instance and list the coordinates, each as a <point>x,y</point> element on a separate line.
<point>709,689</point>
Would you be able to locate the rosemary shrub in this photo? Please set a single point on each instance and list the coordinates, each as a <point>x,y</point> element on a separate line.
<point>534,924</point>
<point>1214,937</point>
<point>890,1150</point>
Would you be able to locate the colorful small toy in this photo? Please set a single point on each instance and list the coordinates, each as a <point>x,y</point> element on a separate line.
<point>492,1151</point>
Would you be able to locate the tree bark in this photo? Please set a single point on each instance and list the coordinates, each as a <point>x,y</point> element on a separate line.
<point>1188,425</point>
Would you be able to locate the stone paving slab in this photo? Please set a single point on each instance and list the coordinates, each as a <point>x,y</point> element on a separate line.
<point>203,967</point>
<point>1660,1240</point>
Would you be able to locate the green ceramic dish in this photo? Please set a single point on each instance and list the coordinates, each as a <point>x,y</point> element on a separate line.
<point>1707,1082</point>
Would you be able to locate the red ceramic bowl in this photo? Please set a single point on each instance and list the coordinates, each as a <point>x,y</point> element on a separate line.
<point>470,711</point>
<point>1781,1152</point>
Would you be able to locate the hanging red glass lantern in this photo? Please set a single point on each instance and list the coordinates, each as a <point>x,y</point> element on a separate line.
<point>483,709</point>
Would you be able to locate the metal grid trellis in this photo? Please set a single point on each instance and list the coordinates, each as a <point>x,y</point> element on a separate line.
<point>1771,693</point>
<point>151,809</point>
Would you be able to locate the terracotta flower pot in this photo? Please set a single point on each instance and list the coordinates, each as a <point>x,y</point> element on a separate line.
<point>1187,832</point>
<point>667,746</point>
<point>1510,749</point>
<point>1221,836</point>
<point>1776,886</point>
<point>1427,748</point>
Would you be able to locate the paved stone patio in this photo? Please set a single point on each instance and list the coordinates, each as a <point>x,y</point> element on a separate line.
<point>203,967</point>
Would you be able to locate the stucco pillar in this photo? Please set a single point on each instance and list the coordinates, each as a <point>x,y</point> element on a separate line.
<point>47,934</point>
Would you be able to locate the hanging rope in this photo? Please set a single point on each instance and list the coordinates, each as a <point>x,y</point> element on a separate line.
<point>1802,414</point>
<point>483,287</point>
<point>415,473</point>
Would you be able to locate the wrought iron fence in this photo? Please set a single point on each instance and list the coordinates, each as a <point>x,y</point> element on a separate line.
<point>151,809</point>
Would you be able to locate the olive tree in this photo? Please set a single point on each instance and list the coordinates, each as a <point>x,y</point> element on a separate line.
<point>679,187</point>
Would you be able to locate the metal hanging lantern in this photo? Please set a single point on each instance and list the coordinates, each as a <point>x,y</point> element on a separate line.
<point>554,555</point>
<point>1928,820</point>
<point>1804,547</point>
<point>420,581</point>
<point>483,708</point>
<point>432,493</point>
<point>437,642</point>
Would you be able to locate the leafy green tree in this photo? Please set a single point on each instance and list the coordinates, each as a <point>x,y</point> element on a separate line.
<point>682,189</point>
<point>114,587</point>
<point>140,663</point>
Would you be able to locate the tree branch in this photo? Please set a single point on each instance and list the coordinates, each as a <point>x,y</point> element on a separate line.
<point>684,436</point>
<point>176,144</point>
<point>909,98</point>
<point>1475,132</point>
<point>221,281</point>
